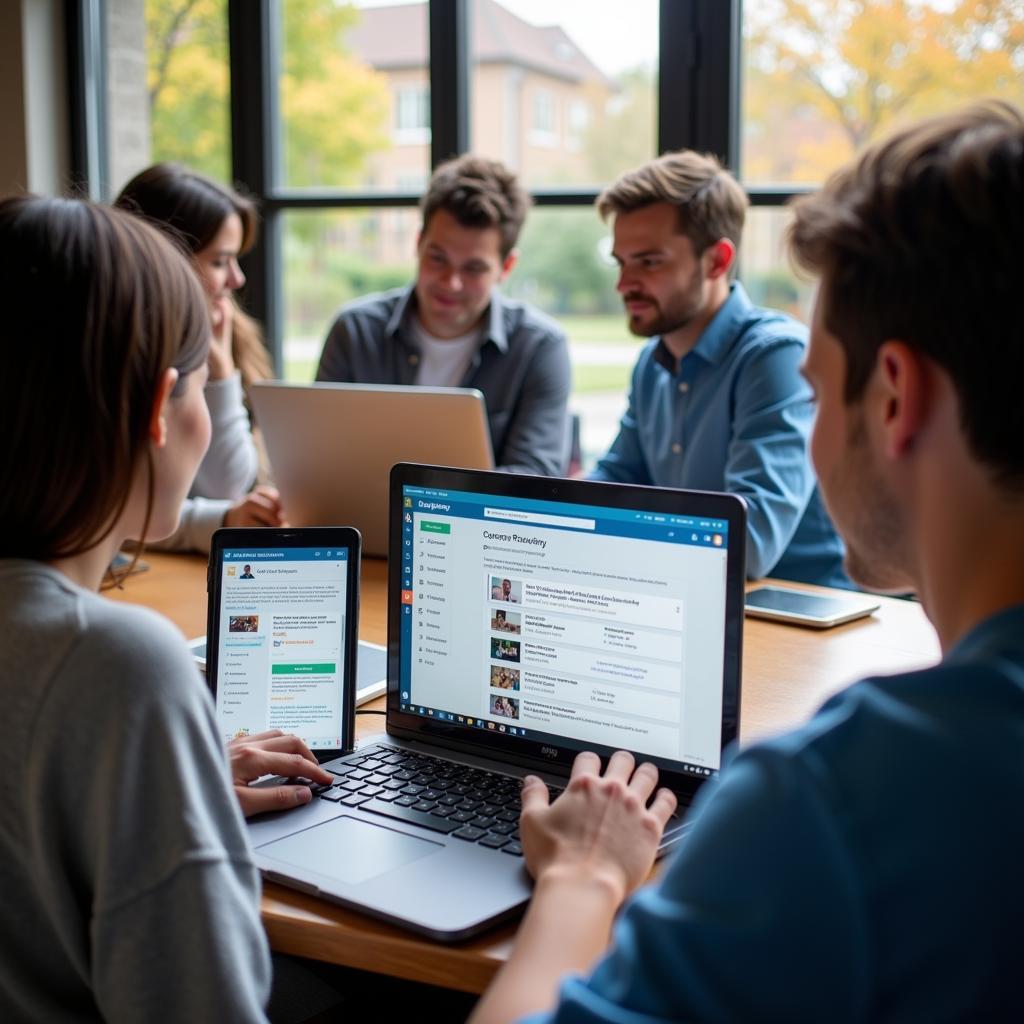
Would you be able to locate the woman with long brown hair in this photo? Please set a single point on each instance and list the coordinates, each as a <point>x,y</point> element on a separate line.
<point>214,225</point>
<point>125,868</point>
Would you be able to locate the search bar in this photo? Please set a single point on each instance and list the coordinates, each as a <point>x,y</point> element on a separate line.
<point>538,518</point>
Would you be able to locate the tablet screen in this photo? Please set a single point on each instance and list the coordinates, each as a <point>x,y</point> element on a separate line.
<point>280,642</point>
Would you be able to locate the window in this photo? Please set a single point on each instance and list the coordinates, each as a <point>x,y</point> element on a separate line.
<point>543,132</point>
<point>412,115</point>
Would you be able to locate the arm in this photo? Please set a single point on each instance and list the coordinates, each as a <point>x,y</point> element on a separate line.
<point>767,461</point>
<point>536,440</point>
<point>625,462</point>
<point>231,462</point>
<point>587,851</point>
<point>759,917</point>
<point>151,834</point>
<point>335,359</point>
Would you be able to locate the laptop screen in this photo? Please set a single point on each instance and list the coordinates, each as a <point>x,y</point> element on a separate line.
<point>569,624</point>
<point>280,642</point>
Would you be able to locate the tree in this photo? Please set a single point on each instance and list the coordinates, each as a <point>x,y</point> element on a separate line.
<point>334,108</point>
<point>825,78</point>
<point>624,135</point>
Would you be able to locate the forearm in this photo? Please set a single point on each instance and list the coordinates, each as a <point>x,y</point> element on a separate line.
<point>230,465</point>
<point>565,930</point>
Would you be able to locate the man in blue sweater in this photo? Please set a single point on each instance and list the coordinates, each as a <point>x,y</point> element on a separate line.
<point>867,865</point>
<point>717,402</point>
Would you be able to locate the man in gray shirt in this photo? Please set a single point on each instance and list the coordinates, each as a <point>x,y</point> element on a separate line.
<point>452,328</point>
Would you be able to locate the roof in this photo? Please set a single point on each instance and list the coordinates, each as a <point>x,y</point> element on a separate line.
<point>393,38</point>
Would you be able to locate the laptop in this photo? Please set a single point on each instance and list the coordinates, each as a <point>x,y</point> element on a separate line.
<point>332,446</point>
<point>528,619</point>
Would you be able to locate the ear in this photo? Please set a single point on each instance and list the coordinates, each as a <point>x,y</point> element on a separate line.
<point>158,417</point>
<point>902,377</point>
<point>720,256</point>
<point>509,264</point>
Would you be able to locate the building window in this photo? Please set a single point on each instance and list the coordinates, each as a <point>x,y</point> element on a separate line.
<point>412,115</point>
<point>543,131</point>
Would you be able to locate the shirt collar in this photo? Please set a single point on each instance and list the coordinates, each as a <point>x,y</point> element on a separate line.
<point>718,336</point>
<point>495,318</point>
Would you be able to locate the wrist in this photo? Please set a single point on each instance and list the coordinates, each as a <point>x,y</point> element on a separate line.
<point>599,885</point>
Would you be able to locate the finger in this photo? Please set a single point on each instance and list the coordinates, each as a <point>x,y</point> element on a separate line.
<point>261,516</point>
<point>255,762</point>
<point>644,780</point>
<point>269,492</point>
<point>258,800</point>
<point>620,766</point>
<point>534,794</point>
<point>256,737</point>
<point>586,763</point>
<point>664,806</point>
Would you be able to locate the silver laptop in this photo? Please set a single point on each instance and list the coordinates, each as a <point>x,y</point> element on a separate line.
<point>528,619</point>
<point>332,446</point>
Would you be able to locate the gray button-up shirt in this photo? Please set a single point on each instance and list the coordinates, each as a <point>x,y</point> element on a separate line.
<point>521,367</point>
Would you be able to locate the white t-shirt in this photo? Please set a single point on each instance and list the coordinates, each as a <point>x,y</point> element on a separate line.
<point>444,361</point>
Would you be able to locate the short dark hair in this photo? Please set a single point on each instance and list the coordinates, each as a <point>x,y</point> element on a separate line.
<point>919,240</point>
<point>478,193</point>
<point>710,203</point>
<point>97,306</point>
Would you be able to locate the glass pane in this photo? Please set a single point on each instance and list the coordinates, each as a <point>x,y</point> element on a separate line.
<point>330,258</point>
<point>821,80</point>
<point>765,269</point>
<point>168,86</point>
<point>354,95</point>
<point>564,269</point>
<point>557,95</point>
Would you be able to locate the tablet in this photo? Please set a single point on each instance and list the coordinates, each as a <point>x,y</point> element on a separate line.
<point>282,628</point>
<point>806,608</point>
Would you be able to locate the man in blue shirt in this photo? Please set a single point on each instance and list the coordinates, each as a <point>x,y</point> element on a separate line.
<point>453,328</point>
<point>867,865</point>
<point>717,402</point>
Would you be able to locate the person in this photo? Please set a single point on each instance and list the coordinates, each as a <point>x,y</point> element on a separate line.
<point>867,865</point>
<point>215,225</point>
<point>247,573</point>
<point>453,328</point>
<point>136,875</point>
<point>506,592</point>
<point>716,401</point>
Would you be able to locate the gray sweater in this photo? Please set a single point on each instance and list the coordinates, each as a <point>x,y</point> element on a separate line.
<point>128,888</point>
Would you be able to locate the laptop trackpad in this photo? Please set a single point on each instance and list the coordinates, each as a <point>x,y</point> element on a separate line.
<point>349,850</point>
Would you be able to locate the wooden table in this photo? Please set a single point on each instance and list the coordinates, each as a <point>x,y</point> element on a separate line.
<point>787,672</point>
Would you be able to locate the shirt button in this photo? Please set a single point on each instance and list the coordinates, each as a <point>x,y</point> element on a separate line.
<point>677,449</point>
<point>413,359</point>
<point>683,387</point>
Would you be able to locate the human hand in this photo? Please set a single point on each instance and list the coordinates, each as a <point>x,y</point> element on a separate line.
<point>272,753</point>
<point>221,359</point>
<point>260,507</point>
<point>599,827</point>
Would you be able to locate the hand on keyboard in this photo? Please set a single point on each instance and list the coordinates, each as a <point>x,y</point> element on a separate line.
<point>272,753</point>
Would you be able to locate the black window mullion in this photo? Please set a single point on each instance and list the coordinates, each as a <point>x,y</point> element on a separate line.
<point>698,77</point>
<point>449,57</point>
<point>253,34</point>
<point>85,27</point>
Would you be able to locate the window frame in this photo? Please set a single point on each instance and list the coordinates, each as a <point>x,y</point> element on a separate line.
<point>698,107</point>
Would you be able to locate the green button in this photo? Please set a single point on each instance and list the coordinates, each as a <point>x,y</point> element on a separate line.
<point>315,668</point>
<point>428,527</point>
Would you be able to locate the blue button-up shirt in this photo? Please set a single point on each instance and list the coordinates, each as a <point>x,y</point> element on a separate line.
<point>736,416</point>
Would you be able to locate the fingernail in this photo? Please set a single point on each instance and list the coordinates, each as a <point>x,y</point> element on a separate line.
<point>303,795</point>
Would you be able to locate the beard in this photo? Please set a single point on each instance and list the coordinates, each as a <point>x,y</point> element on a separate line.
<point>869,518</point>
<point>679,309</point>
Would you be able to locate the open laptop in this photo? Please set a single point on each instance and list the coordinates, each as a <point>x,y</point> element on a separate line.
<point>528,619</point>
<point>332,446</point>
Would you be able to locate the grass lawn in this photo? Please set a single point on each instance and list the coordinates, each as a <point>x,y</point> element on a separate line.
<point>607,329</point>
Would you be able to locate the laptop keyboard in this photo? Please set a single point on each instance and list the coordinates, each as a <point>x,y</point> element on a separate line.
<point>468,803</point>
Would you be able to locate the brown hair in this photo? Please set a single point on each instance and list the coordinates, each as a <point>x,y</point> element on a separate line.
<point>710,203</point>
<point>478,193</point>
<point>97,306</point>
<point>192,208</point>
<point>919,240</point>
